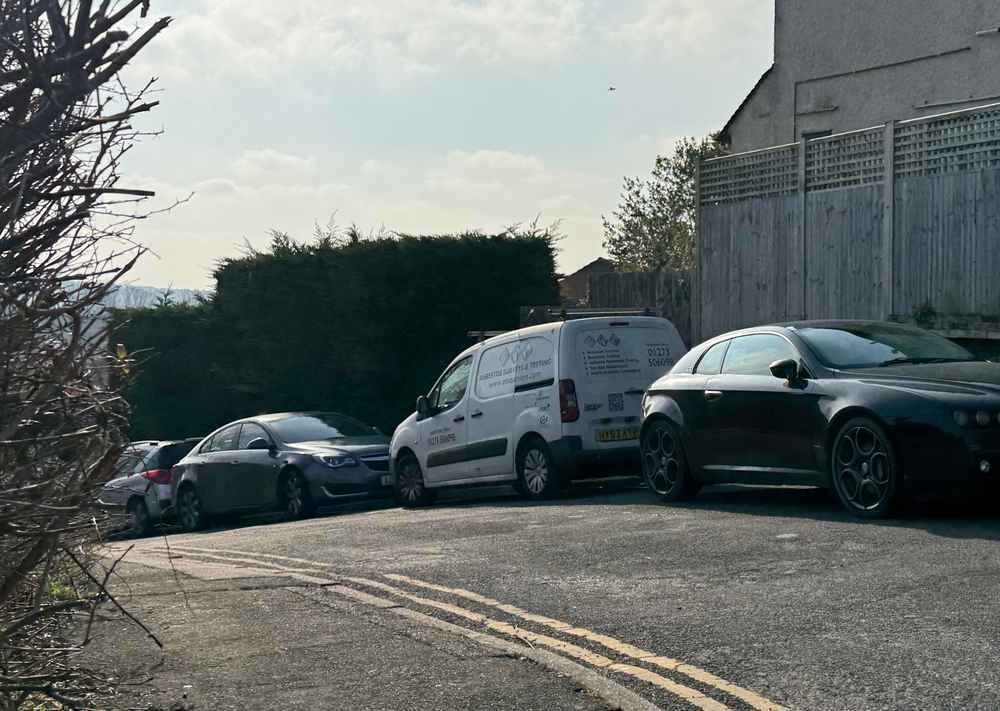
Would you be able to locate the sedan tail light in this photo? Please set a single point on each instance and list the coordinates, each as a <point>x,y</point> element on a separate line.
<point>568,405</point>
<point>158,476</point>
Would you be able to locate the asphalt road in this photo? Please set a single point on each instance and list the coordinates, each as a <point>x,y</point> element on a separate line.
<point>743,599</point>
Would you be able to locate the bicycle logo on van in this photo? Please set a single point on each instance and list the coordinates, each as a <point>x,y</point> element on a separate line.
<point>612,341</point>
<point>521,353</point>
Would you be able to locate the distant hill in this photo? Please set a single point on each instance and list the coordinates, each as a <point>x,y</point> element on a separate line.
<point>137,297</point>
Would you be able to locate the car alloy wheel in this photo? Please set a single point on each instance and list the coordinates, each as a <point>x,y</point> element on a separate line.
<point>293,496</point>
<point>864,469</point>
<point>138,518</point>
<point>664,467</point>
<point>536,471</point>
<point>189,509</point>
<point>661,462</point>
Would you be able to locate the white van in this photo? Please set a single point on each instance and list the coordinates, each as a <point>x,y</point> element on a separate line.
<point>536,407</point>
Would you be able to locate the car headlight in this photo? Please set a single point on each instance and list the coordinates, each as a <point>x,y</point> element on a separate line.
<point>983,418</point>
<point>336,461</point>
<point>962,419</point>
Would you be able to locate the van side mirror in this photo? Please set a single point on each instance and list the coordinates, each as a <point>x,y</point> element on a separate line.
<point>787,370</point>
<point>423,407</point>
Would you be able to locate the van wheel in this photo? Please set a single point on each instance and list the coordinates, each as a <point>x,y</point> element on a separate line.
<point>409,487</point>
<point>664,466</point>
<point>537,478</point>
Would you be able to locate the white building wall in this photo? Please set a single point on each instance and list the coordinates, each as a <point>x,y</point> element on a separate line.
<point>852,64</point>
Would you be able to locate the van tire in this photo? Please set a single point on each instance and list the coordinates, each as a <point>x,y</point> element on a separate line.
<point>537,476</point>
<point>409,486</point>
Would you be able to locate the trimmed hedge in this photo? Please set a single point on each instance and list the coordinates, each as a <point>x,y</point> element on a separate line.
<point>362,328</point>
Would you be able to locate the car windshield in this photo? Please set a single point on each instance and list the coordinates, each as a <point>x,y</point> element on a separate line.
<point>873,345</point>
<point>320,426</point>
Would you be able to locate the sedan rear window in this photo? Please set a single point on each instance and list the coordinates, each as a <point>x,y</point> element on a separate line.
<point>879,344</point>
<point>320,426</point>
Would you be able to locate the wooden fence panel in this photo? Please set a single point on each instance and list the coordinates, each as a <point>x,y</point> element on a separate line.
<point>875,223</point>
<point>843,253</point>
<point>745,261</point>
<point>947,251</point>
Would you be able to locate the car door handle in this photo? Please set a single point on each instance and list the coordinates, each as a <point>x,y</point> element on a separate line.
<point>234,461</point>
<point>635,392</point>
<point>711,395</point>
<point>460,418</point>
<point>476,414</point>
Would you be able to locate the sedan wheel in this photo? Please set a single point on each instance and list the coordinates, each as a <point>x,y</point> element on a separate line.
<point>298,502</point>
<point>663,464</point>
<point>189,510</point>
<point>864,469</point>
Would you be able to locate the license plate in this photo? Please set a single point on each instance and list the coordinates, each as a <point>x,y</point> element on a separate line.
<point>387,480</point>
<point>624,434</point>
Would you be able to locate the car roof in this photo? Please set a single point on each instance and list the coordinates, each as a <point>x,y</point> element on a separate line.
<point>278,416</point>
<point>842,323</point>
<point>153,443</point>
<point>559,325</point>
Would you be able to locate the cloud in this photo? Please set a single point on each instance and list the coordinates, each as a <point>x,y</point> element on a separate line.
<point>267,167</point>
<point>260,38</point>
<point>687,28</point>
<point>486,189</point>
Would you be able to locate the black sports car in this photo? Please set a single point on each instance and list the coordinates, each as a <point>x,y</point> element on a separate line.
<point>867,409</point>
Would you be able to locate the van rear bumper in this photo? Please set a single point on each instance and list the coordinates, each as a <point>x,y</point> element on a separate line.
<point>575,463</point>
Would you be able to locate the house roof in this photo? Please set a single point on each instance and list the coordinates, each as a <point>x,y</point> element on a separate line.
<point>724,133</point>
<point>599,262</point>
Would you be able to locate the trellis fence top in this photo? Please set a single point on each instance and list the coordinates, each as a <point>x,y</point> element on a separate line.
<point>958,141</point>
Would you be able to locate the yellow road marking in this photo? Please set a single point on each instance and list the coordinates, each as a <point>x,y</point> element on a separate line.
<point>616,645</point>
<point>692,696</point>
<point>623,648</point>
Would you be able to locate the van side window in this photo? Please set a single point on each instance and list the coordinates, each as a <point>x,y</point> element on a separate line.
<point>495,377</point>
<point>711,362</point>
<point>451,389</point>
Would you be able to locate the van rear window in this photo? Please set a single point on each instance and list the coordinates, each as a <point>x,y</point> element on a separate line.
<point>612,353</point>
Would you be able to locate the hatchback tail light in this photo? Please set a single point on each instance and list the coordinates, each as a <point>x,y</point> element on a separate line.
<point>158,476</point>
<point>568,404</point>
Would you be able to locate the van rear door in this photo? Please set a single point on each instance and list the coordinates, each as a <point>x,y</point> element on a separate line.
<point>613,363</point>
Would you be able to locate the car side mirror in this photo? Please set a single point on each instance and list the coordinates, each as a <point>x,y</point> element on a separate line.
<point>787,370</point>
<point>259,443</point>
<point>423,406</point>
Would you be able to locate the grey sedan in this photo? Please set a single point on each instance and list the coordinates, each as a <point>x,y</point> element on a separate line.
<point>290,461</point>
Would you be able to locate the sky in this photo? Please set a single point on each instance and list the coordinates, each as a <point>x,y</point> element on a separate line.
<point>421,116</point>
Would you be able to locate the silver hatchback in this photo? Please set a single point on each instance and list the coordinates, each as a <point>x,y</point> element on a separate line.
<point>139,496</point>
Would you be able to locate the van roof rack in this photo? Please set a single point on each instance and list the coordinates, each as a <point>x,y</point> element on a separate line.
<point>480,336</point>
<point>569,314</point>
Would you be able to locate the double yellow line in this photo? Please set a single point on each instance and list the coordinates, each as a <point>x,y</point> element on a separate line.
<point>582,654</point>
